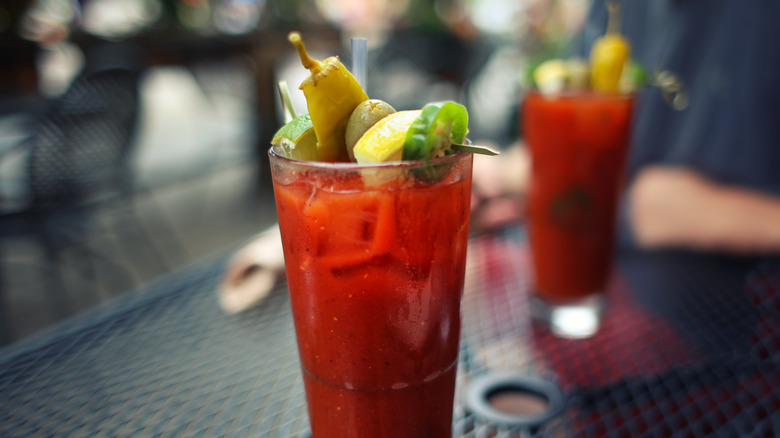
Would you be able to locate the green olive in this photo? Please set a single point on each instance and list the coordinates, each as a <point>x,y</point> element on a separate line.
<point>363,117</point>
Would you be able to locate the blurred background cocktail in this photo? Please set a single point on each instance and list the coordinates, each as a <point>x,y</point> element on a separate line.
<point>577,125</point>
<point>578,144</point>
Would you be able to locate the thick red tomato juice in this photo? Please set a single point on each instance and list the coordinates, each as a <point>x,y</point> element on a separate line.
<point>578,145</point>
<point>375,262</point>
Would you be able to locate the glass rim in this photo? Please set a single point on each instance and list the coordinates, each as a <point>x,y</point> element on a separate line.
<point>352,166</point>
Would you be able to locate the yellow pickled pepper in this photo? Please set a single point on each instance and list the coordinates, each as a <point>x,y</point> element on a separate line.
<point>332,93</point>
<point>609,54</point>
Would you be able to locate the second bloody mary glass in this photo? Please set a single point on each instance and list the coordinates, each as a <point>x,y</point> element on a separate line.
<point>578,144</point>
<point>375,258</point>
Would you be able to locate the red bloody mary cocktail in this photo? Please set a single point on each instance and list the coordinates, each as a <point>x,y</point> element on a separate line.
<point>578,145</point>
<point>375,259</point>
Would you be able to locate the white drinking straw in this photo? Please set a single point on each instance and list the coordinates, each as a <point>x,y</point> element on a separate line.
<point>287,105</point>
<point>359,59</point>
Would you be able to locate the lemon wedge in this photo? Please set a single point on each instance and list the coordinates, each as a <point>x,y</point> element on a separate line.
<point>385,140</point>
<point>551,76</point>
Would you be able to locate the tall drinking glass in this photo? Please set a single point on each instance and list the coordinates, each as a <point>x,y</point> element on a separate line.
<point>578,144</point>
<point>375,259</point>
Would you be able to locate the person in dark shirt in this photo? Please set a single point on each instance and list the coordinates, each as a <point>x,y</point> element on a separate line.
<point>704,168</point>
<point>704,164</point>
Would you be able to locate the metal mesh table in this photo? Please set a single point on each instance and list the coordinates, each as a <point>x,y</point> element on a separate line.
<point>690,346</point>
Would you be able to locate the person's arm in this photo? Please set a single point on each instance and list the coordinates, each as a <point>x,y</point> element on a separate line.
<point>675,207</point>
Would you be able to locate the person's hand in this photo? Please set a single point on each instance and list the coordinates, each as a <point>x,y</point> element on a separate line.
<point>673,206</point>
<point>498,189</point>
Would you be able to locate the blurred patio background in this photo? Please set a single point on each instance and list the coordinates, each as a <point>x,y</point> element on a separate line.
<point>206,108</point>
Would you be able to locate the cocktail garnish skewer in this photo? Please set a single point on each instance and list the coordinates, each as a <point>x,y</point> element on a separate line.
<point>475,149</point>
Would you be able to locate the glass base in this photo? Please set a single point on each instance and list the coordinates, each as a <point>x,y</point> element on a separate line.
<point>577,319</point>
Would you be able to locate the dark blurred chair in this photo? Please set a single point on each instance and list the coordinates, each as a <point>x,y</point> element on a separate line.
<point>78,159</point>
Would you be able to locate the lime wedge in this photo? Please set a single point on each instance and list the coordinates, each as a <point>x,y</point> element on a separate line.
<point>632,78</point>
<point>297,139</point>
<point>294,129</point>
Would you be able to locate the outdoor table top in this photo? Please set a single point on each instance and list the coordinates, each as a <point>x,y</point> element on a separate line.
<point>690,346</point>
